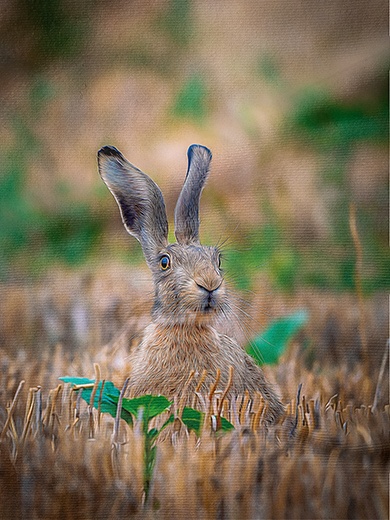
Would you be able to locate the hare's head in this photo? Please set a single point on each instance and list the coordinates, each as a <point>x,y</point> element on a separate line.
<point>188,280</point>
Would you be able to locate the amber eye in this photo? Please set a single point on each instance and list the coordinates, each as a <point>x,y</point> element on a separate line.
<point>165,262</point>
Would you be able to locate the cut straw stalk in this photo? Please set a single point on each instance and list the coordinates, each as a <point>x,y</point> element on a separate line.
<point>92,400</point>
<point>100,402</point>
<point>381,373</point>
<point>229,384</point>
<point>358,282</point>
<point>53,407</point>
<point>118,413</point>
<point>31,405</point>
<point>197,390</point>
<point>11,410</point>
<point>184,392</point>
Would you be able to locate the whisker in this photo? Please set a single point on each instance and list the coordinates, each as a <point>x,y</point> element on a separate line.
<point>245,331</point>
<point>246,303</point>
<point>217,245</point>
<point>231,234</point>
<point>260,265</point>
<point>248,339</point>
<point>237,278</point>
<point>253,345</point>
<point>248,315</point>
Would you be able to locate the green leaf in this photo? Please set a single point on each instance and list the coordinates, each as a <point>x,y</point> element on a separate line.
<point>226,426</point>
<point>153,433</point>
<point>272,343</point>
<point>152,406</point>
<point>193,419</point>
<point>109,400</point>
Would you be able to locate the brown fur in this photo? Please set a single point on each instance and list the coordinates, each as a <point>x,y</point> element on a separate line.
<point>190,295</point>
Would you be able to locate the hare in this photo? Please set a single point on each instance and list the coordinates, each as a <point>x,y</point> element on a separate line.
<point>190,293</point>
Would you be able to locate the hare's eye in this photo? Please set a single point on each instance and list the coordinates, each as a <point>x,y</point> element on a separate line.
<point>219,261</point>
<point>165,262</point>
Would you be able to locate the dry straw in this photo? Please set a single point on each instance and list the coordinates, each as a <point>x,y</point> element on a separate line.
<point>325,459</point>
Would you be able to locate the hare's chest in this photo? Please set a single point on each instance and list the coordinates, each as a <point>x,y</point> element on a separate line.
<point>164,358</point>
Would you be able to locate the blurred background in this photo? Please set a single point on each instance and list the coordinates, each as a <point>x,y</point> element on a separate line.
<point>292,99</point>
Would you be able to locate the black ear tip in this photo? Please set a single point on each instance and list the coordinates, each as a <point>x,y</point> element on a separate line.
<point>109,151</point>
<point>199,150</point>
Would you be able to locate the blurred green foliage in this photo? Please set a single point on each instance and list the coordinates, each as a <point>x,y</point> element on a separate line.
<point>268,69</point>
<point>70,233</point>
<point>174,30</point>
<point>32,236</point>
<point>322,121</point>
<point>45,30</point>
<point>332,128</point>
<point>267,251</point>
<point>176,22</point>
<point>273,342</point>
<point>17,215</point>
<point>41,91</point>
<point>140,56</point>
<point>272,251</point>
<point>59,30</point>
<point>191,100</point>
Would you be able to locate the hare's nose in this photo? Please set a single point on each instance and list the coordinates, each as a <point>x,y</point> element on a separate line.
<point>209,285</point>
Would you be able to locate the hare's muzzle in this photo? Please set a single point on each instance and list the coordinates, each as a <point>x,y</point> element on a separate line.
<point>209,291</point>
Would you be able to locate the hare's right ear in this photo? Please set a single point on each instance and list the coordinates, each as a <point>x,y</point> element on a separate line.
<point>140,201</point>
<point>187,207</point>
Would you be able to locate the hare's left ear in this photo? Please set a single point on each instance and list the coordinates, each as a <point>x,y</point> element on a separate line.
<point>140,201</point>
<point>187,207</point>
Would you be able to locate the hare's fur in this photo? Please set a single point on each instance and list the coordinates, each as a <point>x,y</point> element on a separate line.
<point>190,291</point>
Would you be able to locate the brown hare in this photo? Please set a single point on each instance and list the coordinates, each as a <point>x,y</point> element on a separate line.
<point>190,293</point>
